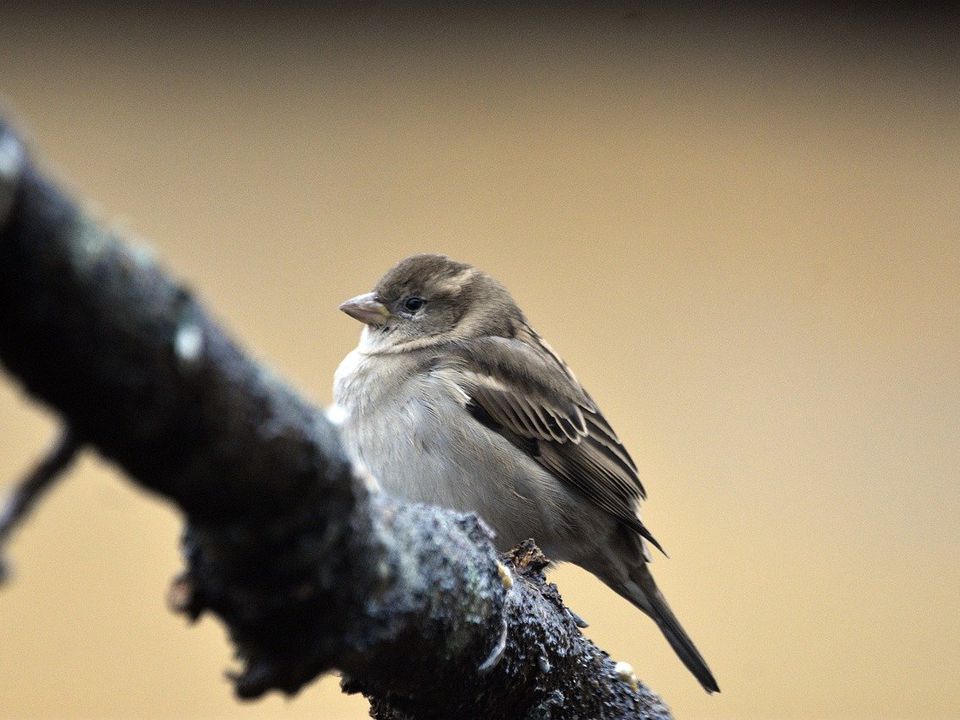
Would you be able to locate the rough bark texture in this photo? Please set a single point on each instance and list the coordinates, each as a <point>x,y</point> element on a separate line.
<point>309,570</point>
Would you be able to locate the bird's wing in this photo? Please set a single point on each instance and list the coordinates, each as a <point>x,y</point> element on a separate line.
<point>520,388</point>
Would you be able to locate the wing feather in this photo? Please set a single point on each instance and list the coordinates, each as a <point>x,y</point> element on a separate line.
<point>521,388</point>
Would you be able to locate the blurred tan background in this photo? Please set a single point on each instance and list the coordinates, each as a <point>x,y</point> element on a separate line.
<point>741,230</point>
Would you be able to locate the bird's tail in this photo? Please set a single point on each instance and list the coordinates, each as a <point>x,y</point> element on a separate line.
<point>644,593</point>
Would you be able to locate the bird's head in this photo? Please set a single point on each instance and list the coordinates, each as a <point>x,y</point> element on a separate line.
<point>429,299</point>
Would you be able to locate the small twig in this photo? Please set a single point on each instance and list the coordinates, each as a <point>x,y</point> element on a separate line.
<point>28,491</point>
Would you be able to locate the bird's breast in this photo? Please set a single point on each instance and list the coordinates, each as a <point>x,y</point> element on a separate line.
<point>409,428</point>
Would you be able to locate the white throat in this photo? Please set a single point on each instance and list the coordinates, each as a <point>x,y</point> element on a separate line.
<point>373,340</point>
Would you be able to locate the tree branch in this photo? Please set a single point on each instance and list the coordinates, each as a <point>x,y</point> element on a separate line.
<point>309,569</point>
<point>32,487</point>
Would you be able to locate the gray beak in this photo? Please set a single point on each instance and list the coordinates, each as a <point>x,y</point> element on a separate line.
<point>367,309</point>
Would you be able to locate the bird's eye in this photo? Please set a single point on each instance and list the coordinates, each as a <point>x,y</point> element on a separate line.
<point>412,304</point>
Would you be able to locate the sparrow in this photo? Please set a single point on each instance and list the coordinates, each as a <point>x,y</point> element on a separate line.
<point>451,398</point>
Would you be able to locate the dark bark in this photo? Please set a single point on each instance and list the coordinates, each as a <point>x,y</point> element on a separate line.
<point>309,570</point>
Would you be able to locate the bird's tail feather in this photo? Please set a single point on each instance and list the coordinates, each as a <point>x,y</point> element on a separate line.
<point>652,602</point>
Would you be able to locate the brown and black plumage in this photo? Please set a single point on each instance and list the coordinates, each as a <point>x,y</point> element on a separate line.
<point>452,398</point>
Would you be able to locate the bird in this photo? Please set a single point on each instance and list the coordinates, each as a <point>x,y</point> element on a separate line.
<point>451,398</point>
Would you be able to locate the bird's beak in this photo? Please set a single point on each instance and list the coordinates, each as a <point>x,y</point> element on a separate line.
<point>367,309</point>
